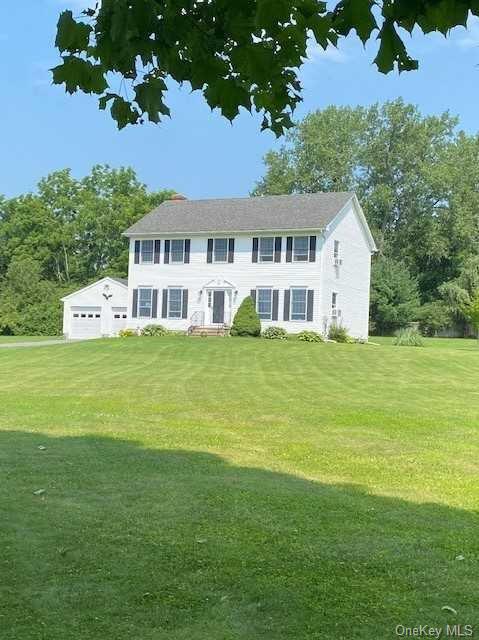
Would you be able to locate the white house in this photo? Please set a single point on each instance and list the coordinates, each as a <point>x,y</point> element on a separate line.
<point>305,260</point>
<point>100,309</point>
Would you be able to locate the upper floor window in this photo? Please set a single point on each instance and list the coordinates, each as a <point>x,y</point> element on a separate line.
<point>175,303</point>
<point>264,303</point>
<point>334,303</point>
<point>145,295</point>
<point>301,248</point>
<point>177,251</point>
<point>336,249</point>
<point>146,251</point>
<point>220,249</point>
<point>298,303</point>
<point>266,249</point>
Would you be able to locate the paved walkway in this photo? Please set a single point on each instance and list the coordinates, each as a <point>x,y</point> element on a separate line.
<point>34,343</point>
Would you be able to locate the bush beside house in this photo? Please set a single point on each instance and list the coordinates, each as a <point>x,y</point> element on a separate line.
<point>246,321</point>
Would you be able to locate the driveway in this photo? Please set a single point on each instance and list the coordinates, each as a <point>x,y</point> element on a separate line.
<point>34,343</point>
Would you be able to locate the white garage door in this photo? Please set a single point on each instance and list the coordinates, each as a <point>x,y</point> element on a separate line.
<point>119,319</point>
<point>86,322</point>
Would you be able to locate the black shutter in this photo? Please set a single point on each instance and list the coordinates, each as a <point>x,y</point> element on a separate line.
<point>277,249</point>
<point>137,251</point>
<point>164,305</point>
<point>209,254</point>
<point>185,304</point>
<point>312,248</point>
<point>287,294</point>
<point>167,251</point>
<point>154,304</point>
<point>134,308</point>
<point>254,257</point>
<point>289,249</point>
<point>274,315</point>
<point>231,250</point>
<point>253,296</point>
<point>187,251</point>
<point>309,313</point>
<point>157,251</point>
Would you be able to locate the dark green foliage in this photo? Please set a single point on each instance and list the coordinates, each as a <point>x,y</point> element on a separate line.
<point>239,54</point>
<point>416,178</point>
<point>154,330</point>
<point>408,337</point>
<point>338,333</point>
<point>29,305</point>
<point>246,321</point>
<point>394,296</point>
<point>433,317</point>
<point>310,336</point>
<point>275,333</point>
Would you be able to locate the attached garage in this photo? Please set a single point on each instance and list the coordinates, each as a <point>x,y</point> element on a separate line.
<point>96,311</point>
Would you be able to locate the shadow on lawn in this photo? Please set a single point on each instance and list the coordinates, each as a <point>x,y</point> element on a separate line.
<point>138,543</point>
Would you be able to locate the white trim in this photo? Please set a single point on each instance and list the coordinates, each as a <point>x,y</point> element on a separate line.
<point>94,284</point>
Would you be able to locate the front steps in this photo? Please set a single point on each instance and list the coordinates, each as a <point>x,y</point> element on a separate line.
<point>206,332</point>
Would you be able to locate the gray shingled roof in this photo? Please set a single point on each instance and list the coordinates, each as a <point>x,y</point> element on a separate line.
<point>304,211</point>
<point>120,280</point>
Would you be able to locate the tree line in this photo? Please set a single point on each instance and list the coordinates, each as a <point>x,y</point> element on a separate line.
<point>417,178</point>
<point>62,237</point>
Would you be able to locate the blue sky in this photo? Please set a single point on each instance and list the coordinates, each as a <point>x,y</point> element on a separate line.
<point>196,152</point>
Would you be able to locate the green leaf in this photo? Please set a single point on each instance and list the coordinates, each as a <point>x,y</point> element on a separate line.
<point>392,50</point>
<point>71,35</point>
<point>76,73</point>
<point>123,113</point>
<point>355,14</point>
<point>149,97</point>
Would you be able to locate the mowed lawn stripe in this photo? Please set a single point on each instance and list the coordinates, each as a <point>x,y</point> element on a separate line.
<point>230,488</point>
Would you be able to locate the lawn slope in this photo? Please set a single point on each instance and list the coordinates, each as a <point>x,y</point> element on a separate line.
<point>235,488</point>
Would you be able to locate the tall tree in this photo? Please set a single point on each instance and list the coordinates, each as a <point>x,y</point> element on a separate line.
<point>416,176</point>
<point>73,228</point>
<point>239,54</point>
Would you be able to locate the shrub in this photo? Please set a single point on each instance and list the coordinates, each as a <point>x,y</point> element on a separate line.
<point>339,333</point>
<point>154,330</point>
<point>127,333</point>
<point>275,333</point>
<point>408,337</point>
<point>246,321</point>
<point>434,316</point>
<point>310,336</point>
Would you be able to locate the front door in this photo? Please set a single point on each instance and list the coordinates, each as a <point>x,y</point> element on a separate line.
<point>218,307</point>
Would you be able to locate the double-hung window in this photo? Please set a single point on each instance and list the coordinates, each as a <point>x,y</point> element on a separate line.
<point>264,303</point>
<point>336,249</point>
<point>177,251</point>
<point>145,295</point>
<point>266,249</point>
<point>301,248</point>
<point>220,250</point>
<point>298,303</point>
<point>147,251</point>
<point>175,303</point>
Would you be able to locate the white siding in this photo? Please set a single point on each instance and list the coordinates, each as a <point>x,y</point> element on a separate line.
<point>351,280</point>
<point>92,298</point>
<point>352,283</point>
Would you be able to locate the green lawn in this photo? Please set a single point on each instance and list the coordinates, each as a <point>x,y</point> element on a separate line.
<point>220,489</point>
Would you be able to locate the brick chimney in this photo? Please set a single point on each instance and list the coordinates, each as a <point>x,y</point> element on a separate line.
<point>177,197</point>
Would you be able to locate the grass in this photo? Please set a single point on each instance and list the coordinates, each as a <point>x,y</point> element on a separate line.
<point>237,489</point>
